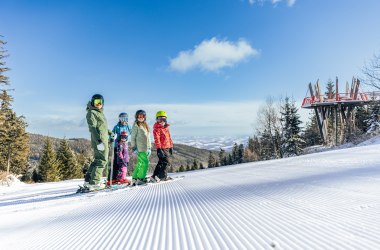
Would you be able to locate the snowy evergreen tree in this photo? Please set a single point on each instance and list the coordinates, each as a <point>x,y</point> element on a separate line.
<point>230,160</point>
<point>212,161</point>
<point>49,168</point>
<point>4,80</point>
<point>240,154</point>
<point>311,134</point>
<point>181,169</point>
<point>291,141</point>
<point>235,152</point>
<point>67,162</point>
<point>373,123</point>
<point>362,114</point>
<point>222,157</point>
<point>14,140</point>
<point>195,165</point>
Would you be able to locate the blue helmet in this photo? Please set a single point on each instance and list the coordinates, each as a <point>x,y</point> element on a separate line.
<point>123,117</point>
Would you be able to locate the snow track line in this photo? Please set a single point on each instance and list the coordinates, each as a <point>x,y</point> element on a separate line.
<point>286,204</point>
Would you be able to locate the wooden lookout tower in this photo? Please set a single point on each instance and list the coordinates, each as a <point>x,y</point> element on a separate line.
<point>337,103</point>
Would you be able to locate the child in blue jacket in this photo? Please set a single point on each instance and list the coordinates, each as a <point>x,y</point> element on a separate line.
<point>121,127</point>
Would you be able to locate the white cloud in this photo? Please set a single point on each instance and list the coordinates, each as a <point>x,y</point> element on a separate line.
<point>187,119</point>
<point>290,3</point>
<point>213,55</point>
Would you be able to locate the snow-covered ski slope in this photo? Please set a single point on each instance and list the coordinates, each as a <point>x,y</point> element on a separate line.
<point>328,200</point>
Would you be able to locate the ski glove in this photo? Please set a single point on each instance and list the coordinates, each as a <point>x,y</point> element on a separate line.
<point>171,151</point>
<point>113,137</point>
<point>100,147</point>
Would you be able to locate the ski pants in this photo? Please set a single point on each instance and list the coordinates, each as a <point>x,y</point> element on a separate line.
<point>142,166</point>
<point>98,165</point>
<point>161,170</point>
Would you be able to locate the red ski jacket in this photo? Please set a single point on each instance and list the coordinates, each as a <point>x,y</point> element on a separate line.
<point>161,134</point>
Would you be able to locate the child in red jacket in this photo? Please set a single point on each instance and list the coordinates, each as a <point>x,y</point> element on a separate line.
<point>164,146</point>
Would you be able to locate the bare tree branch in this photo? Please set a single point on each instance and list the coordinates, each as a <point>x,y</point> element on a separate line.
<point>371,72</point>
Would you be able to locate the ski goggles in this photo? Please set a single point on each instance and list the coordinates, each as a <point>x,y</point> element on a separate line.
<point>161,119</point>
<point>123,119</point>
<point>123,138</point>
<point>98,102</point>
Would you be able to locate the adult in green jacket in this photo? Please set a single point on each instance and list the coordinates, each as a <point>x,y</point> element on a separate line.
<point>97,124</point>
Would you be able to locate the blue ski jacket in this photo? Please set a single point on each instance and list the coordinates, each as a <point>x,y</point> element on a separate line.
<point>121,128</point>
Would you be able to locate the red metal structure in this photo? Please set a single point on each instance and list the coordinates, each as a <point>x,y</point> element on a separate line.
<point>344,103</point>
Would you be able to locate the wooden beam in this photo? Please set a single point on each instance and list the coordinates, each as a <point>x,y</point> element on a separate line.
<point>336,89</point>
<point>356,89</point>
<point>320,124</point>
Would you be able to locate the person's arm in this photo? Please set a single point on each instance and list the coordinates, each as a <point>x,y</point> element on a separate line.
<point>92,125</point>
<point>156,136</point>
<point>133,137</point>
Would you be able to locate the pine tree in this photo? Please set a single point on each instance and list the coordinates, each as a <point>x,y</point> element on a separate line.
<point>362,113</point>
<point>67,162</point>
<point>291,143</point>
<point>235,153</point>
<point>14,141</point>
<point>4,80</point>
<point>311,134</point>
<point>84,160</point>
<point>230,160</point>
<point>240,154</point>
<point>171,169</point>
<point>373,123</point>
<point>222,157</point>
<point>181,169</point>
<point>211,161</point>
<point>201,166</point>
<point>49,167</point>
<point>195,165</point>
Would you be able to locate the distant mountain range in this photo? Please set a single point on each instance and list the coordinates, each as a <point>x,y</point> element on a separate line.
<point>184,153</point>
<point>212,142</point>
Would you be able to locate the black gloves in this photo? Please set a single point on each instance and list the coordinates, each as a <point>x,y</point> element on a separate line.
<point>171,151</point>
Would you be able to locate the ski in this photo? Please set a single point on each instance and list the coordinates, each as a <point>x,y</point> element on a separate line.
<point>112,187</point>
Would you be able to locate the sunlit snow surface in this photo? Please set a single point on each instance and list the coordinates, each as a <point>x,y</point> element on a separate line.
<point>328,200</point>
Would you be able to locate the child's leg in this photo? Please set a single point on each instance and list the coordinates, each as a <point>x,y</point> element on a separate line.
<point>124,170</point>
<point>163,172</point>
<point>141,166</point>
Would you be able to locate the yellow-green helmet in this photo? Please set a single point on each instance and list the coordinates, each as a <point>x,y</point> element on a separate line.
<point>161,114</point>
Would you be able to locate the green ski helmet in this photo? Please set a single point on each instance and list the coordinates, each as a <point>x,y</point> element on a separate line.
<point>161,114</point>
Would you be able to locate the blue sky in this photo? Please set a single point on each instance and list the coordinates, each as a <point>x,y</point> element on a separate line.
<point>209,64</point>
